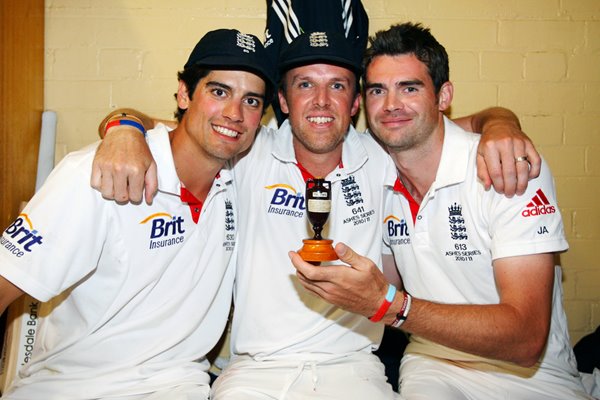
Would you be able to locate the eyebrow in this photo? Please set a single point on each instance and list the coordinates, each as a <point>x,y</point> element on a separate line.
<point>414,82</point>
<point>229,88</point>
<point>310,78</point>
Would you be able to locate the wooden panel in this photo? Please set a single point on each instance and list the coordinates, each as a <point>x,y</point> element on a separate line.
<point>21,101</point>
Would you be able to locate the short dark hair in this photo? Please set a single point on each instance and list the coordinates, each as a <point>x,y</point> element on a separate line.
<point>411,38</point>
<point>190,77</point>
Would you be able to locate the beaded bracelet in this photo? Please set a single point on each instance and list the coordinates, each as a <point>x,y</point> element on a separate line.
<point>403,313</point>
<point>387,302</point>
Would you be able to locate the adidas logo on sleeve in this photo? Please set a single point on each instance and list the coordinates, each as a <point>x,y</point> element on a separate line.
<point>539,205</point>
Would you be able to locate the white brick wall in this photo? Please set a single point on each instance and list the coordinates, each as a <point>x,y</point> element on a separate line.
<point>537,57</point>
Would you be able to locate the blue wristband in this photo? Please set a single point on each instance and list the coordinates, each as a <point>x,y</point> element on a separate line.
<point>390,293</point>
<point>129,122</point>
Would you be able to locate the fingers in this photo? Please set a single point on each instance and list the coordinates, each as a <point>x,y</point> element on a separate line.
<point>96,178</point>
<point>498,161</point>
<point>133,188</point>
<point>312,277</point>
<point>107,187</point>
<point>308,271</point>
<point>99,180</point>
<point>525,169</point>
<point>491,168</point>
<point>509,168</point>
<point>484,172</point>
<point>534,158</point>
<point>350,257</point>
<point>151,183</point>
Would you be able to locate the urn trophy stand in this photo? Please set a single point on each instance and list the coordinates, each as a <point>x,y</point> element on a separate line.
<point>318,206</point>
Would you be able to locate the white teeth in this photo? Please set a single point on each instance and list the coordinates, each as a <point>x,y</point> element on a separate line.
<point>225,131</point>
<point>320,120</point>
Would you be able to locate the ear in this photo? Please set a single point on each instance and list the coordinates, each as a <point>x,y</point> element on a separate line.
<point>183,99</point>
<point>355,105</point>
<point>445,96</point>
<point>283,103</point>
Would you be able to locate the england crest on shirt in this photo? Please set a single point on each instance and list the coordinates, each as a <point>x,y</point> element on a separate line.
<point>456,223</point>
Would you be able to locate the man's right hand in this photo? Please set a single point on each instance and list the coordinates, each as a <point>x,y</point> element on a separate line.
<point>123,168</point>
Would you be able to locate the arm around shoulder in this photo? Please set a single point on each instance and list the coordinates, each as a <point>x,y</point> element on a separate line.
<point>124,168</point>
<point>506,157</point>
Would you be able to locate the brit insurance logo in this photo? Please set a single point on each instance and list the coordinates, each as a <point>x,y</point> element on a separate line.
<point>20,237</point>
<point>397,230</point>
<point>539,205</point>
<point>286,200</point>
<point>165,230</point>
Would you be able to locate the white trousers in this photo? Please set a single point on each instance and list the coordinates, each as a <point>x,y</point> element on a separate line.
<point>359,376</point>
<point>428,378</point>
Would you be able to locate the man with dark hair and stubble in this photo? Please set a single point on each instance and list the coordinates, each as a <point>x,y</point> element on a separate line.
<point>480,294</point>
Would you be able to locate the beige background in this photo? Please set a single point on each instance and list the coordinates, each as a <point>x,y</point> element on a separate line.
<point>538,57</point>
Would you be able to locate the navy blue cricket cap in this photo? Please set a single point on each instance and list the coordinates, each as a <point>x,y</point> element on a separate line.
<point>320,47</point>
<point>230,49</point>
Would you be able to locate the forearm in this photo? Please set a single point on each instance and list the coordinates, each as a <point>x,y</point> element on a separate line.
<point>495,331</point>
<point>515,329</point>
<point>485,118</point>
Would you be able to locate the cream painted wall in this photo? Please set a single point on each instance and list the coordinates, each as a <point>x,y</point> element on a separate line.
<point>538,57</point>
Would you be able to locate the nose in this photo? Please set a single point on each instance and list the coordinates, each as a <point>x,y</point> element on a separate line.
<point>392,102</point>
<point>233,111</point>
<point>321,98</point>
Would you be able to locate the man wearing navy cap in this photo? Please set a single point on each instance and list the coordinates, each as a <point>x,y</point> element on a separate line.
<point>285,342</point>
<point>145,289</point>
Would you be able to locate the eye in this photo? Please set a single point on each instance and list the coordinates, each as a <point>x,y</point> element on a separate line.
<point>253,102</point>
<point>304,85</point>
<point>375,92</point>
<point>219,92</point>
<point>410,89</point>
<point>338,86</point>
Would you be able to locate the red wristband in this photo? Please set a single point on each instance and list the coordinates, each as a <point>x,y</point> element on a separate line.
<point>387,302</point>
<point>129,122</point>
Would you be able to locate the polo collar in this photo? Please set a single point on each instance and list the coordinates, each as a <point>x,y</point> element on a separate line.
<point>168,181</point>
<point>455,158</point>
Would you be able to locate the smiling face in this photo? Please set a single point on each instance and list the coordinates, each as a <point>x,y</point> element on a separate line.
<point>402,107</point>
<point>224,115</point>
<point>320,100</point>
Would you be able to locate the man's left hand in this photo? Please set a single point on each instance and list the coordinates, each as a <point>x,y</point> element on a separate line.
<point>358,287</point>
<point>506,158</point>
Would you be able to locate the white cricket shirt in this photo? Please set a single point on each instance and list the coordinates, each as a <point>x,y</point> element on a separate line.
<point>274,315</point>
<point>444,252</point>
<point>149,290</point>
